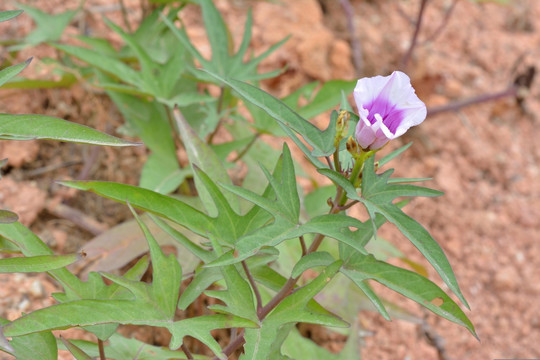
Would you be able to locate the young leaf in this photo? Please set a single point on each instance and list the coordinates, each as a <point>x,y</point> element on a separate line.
<point>36,263</point>
<point>29,127</point>
<point>409,284</point>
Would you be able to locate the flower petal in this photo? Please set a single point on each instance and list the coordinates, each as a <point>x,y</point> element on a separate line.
<point>364,133</point>
<point>388,107</point>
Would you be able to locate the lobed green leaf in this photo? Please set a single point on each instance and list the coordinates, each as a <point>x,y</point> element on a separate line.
<point>408,283</point>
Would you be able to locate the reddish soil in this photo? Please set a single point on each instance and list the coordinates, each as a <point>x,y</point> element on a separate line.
<point>484,157</point>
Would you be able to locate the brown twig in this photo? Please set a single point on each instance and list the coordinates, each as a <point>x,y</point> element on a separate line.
<point>233,345</point>
<point>404,15</point>
<point>253,286</point>
<point>77,217</point>
<point>329,162</point>
<point>48,168</point>
<point>458,105</point>
<point>282,294</point>
<point>355,42</point>
<point>348,206</point>
<point>247,147</point>
<point>303,245</point>
<point>443,23</point>
<point>88,163</point>
<point>187,352</point>
<point>435,340</point>
<point>414,40</point>
<point>125,16</point>
<point>101,350</point>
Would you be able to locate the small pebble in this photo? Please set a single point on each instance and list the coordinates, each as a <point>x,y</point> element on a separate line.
<point>24,305</point>
<point>36,289</point>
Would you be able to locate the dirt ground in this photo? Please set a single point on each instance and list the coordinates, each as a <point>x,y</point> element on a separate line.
<point>485,157</point>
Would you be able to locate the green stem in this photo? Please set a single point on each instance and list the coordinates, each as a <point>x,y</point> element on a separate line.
<point>253,286</point>
<point>337,164</point>
<point>220,121</point>
<point>355,173</point>
<point>101,350</point>
<point>246,148</point>
<point>289,285</point>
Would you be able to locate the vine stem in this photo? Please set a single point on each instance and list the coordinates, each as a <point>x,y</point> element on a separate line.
<point>443,24</point>
<point>253,286</point>
<point>303,245</point>
<point>101,350</point>
<point>233,345</point>
<point>219,106</point>
<point>289,285</point>
<point>187,352</point>
<point>287,288</point>
<point>247,147</point>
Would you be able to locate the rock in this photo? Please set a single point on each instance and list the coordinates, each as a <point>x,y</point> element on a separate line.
<point>23,198</point>
<point>36,289</point>
<point>506,278</point>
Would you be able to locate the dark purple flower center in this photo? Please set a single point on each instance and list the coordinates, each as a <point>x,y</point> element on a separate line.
<point>391,116</point>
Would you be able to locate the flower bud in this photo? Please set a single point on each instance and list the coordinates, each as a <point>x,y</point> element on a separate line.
<point>352,146</point>
<point>342,126</point>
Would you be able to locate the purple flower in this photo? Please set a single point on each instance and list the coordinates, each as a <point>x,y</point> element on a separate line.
<point>388,107</point>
